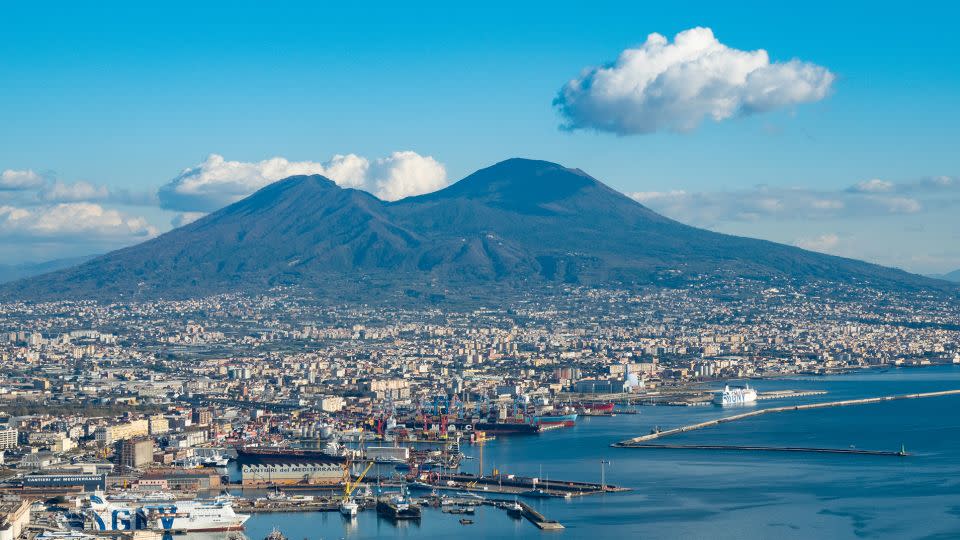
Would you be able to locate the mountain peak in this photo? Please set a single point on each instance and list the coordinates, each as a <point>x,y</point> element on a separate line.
<point>519,182</point>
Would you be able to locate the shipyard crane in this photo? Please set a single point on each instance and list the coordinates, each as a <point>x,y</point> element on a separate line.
<point>349,486</point>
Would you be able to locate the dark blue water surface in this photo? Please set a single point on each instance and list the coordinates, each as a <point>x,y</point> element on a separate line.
<point>726,494</point>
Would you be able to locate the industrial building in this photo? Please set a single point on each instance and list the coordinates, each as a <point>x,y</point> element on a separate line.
<point>181,479</point>
<point>401,453</point>
<point>268,474</point>
<point>68,482</point>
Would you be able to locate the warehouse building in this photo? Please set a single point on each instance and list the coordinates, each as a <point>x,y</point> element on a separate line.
<point>270,474</point>
<point>68,482</point>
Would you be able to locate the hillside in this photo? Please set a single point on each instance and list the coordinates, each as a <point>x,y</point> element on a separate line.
<point>516,224</point>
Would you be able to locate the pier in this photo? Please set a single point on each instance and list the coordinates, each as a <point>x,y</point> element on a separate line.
<point>518,485</point>
<point>539,519</point>
<point>658,434</point>
<point>856,451</point>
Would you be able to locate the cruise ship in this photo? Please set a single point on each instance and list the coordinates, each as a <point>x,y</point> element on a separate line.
<point>186,516</point>
<point>735,395</point>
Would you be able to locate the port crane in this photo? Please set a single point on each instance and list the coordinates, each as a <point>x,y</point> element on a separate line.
<point>348,506</point>
<point>348,485</point>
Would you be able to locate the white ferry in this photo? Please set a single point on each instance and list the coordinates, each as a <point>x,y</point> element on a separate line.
<point>735,395</point>
<point>186,516</point>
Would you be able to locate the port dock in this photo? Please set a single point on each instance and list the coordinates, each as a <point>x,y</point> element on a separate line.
<point>517,485</point>
<point>659,434</point>
<point>539,519</point>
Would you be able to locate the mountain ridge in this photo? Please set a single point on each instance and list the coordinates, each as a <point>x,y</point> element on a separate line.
<point>518,223</point>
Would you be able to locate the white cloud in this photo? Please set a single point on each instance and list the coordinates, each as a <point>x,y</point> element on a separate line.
<point>675,86</point>
<point>75,192</point>
<point>874,185</point>
<point>405,174</point>
<point>185,218</point>
<point>872,198</point>
<point>217,182</point>
<point>899,205</point>
<point>86,221</point>
<point>348,170</point>
<point>13,180</point>
<point>825,243</point>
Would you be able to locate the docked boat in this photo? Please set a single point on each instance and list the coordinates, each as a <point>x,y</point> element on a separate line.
<point>349,508</point>
<point>216,460</point>
<point>275,534</point>
<point>538,493</point>
<point>596,409</point>
<point>735,395</point>
<point>398,507</point>
<point>508,428</point>
<point>555,419</point>
<point>185,516</point>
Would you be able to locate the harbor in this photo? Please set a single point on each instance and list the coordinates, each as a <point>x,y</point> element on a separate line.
<point>659,434</point>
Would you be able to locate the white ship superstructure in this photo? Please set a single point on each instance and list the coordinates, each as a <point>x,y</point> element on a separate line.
<point>194,516</point>
<point>735,395</point>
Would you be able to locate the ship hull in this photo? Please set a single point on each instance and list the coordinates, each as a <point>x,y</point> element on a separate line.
<point>553,420</point>
<point>391,511</point>
<point>507,428</point>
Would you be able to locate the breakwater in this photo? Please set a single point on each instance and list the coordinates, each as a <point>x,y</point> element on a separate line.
<point>801,449</point>
<point>658,434</point>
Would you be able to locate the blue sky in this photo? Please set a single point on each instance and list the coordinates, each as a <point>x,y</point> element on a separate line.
<point>125,97</point>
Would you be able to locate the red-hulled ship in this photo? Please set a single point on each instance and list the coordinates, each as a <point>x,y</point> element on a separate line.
<point>596,409</point>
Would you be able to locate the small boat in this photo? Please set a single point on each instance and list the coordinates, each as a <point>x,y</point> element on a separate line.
<point>349,508</point>
<point>515,510</point>
<point>538,493</point>
<point>466,521</point>
<point>275,534</point>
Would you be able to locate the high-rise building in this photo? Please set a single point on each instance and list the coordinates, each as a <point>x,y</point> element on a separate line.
<point>9,438</point>
<point>134,453</point>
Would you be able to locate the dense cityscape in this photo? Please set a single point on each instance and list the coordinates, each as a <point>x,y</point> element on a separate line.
<point>159,397</point>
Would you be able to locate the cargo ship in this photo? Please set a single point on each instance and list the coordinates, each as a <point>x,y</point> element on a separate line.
<point>567,420</point>
<point>516,427</point>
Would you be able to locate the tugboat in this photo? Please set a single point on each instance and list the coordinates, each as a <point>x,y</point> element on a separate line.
<point>515,510</point>
<point>398,507</point>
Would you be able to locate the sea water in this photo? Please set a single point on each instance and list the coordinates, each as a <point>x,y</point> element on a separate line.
<point>717,493</point>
